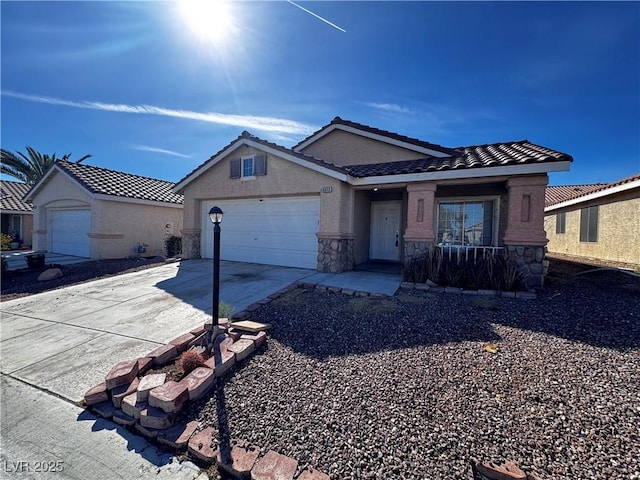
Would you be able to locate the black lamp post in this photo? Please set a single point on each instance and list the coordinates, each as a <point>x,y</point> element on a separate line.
<point>215,214</point>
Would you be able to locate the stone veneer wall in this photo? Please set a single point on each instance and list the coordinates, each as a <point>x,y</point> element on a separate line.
<point>191,244</point>
<point>335,255</point>
<point>531,264</point>
<point>413,249</point>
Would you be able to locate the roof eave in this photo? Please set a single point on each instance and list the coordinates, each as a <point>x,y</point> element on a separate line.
<point>464,173</point>
<point>35,190</point>
<point>137,201</point>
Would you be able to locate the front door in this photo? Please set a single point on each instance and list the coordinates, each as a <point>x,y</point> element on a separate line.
<point>384,243</point>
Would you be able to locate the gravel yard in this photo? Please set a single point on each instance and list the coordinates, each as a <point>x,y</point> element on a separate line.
<point>403,388</point>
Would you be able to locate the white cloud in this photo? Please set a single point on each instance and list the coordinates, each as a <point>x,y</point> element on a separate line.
<point>265,124</point>
<point>145,148</point>
<point>389,107</point>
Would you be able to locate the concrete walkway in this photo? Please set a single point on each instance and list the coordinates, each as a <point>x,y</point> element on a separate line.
<point>64,342</point>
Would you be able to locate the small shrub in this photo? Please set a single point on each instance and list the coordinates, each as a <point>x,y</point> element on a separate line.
<point>415,270</point>
<point>224,310</point>
<point>190,360</point>
<point>6,241</point>
<point>173,246</point>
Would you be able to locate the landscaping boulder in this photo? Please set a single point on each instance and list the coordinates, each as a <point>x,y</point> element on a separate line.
<point>50,274</point>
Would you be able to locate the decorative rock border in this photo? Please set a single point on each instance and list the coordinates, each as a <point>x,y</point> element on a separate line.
<point>148,405</point>
<point>495,293</point>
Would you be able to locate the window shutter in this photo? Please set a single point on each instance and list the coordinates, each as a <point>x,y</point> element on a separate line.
<point>235,168</point>
<point>260,165</point>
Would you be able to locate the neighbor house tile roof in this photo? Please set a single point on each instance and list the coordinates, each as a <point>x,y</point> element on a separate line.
<point>110,182</point>
<point>490,155</point>
<point>11,197</point>
<point>558,194</point>
<point>385,133</point>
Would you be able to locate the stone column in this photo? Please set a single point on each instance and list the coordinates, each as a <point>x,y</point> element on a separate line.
<point>525,237</point>
<point>420,232</point>
<point>190,243</point>
<point>335,253</point>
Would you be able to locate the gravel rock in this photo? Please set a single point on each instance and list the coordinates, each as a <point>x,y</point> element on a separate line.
<point>402,387</point>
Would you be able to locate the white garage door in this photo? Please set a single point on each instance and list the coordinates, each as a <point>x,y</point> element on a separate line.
<point>271,231</point>
<point>69,230</point>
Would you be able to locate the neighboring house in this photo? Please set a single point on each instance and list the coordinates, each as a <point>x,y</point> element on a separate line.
<point>349,194</point>
<point>98,213</point>
<point>600,221</point>
<point>17,215</point>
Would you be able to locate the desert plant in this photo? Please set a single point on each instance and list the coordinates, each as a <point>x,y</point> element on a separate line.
<point>190,360</point>
<point>510,275</point>
<point>415,270</point>
<point>173,246</point>
<point>475,270</point>
<point>434,264</point>
<point>452,270</point>
<point>29,168</point>
<point>224,310</point>
<point>6,241</point>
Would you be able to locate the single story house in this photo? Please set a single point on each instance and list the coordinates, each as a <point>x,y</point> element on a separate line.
<point>97,213</point>
<point>600,221</point>
<point>350,194</point>
<point>17,215</point>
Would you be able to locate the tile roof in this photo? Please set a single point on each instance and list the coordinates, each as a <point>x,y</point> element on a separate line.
<point>558,194</point>
<point>11,194</point>
<point>490,155</point>
<point>110,182</point>
<point>385,133</point>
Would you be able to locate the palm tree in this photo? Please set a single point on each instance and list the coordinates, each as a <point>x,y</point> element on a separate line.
<point>29,168</point>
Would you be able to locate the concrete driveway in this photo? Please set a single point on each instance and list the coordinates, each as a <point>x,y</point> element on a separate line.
<point>63,342</point>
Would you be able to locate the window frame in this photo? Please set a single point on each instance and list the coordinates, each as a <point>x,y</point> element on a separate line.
<point>244,158</point>
<point>495,217</point>
<point>561,223</point>
<point>589,216</point>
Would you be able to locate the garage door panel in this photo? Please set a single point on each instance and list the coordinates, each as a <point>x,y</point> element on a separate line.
<point>69,230</point>
<point>271,231</point>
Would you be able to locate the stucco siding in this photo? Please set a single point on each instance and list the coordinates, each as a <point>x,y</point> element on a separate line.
<point>344,148</point>
<point>283,178</point>
<point>118,227</point>
<point>618,230</point>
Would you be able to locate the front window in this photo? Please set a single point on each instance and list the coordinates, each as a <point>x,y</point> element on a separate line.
<point>247,167</point>
<point>465,223</point>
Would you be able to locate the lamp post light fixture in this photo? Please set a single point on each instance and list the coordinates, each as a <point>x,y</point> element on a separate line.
<point>215,214</point>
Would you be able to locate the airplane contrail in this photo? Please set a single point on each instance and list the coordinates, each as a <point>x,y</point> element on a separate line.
<point>265,124</point>
<point>317,16</point>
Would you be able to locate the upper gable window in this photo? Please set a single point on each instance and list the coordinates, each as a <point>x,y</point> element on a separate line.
<point>249,166</point>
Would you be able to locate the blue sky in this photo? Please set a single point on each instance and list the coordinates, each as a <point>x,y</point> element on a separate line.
<point>140,88</point>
